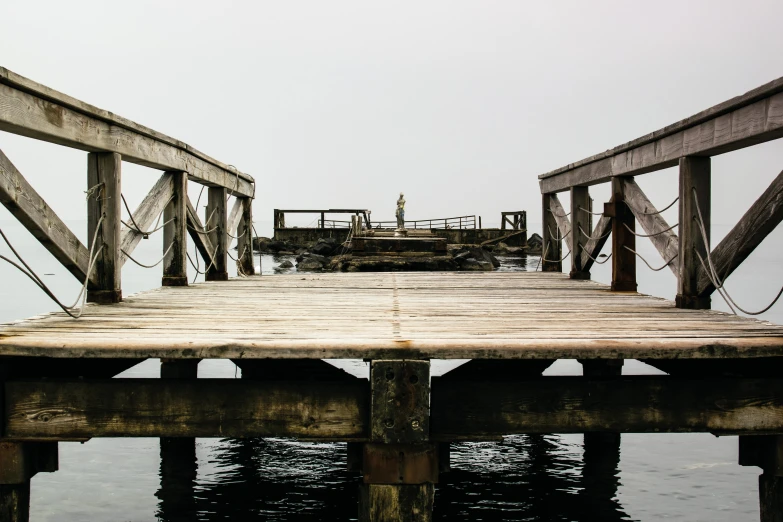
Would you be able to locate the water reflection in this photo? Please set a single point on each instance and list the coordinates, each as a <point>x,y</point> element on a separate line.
<point>530,477</point>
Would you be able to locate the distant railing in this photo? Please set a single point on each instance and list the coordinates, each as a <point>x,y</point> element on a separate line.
<point>753,118</point>
<point>33,110</point>
<point>459,222</point>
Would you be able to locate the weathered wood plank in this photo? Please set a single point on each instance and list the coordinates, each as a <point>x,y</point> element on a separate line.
<point>623,240</point>
<point>234,215</point>
<point>33,110</point>
<point>197,234</point>
<point>216,232</point>
<point>146,214</point>
<point>667,243</point>
<point>104,185</point>
<point>628,404</point>
<point>757,223</point>
<point>753,118</point>
<point>695,183</point>
<point>175,229</point>
<point>245,234</point>
<point>186,408</point>
<point>400,401</point>
<point>581,223</point>
<point>19,197</point>
<point>552,245</point>
<point>385,503</point>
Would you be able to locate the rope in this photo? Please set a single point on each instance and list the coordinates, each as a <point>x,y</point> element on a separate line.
<point>29,272</point>
<point>149,266</point>
<point>591,237</point>
<point>136,228</point>
<point>237,237</point>
<point>555,238</point>
<point>649,235</point>
<point>595,260</point>
<point>558,260</point>
<point>593,213</point>
<point>713,274</point>
<point>207,221</point>
<point>648,264</point>
<point>664,210</point>
<point>558,215</point>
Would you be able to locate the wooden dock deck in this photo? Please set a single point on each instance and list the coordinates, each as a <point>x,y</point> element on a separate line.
<point>394,316</point>
<point>722,372</point>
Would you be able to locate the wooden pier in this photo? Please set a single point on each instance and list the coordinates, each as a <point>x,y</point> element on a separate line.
<point>722,370</point>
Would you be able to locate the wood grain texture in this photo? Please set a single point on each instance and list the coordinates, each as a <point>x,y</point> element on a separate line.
<point>33,110</point>
<point>386,503</point>
<point>200,238</point>
<point>146,214</point>
<point>563,223</point>
<point>24,203</point>
<point>764,215</point>
<point>594,245</point>
<point>752,118</point>
<point>245,234</point>
<point>695,187</point>
<point>399,411</point>
<point>638,404</point>
<point>186,408</point>
<point>581,224</point>
<point>175,230</point>
<point>104,181</point>
<point>623,241</point>
<point>552,245</point>
<point>666,243</point>
<point>216,229</point>
<point>460,315</point>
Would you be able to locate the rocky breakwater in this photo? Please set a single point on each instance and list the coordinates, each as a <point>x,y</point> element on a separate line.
<point>329,255</point>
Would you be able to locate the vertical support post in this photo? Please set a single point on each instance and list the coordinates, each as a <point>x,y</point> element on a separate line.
<point>551,247</point>
<point>178,463</point>
<point>623,240</point>
<point>103,205</point>
<point>175,243</point>
<point>245,235</point>
<point>601,450</point>
<point>766,452</point>
<point>695,183</point>
<point>19,462</point>
<point>323,223</point>
<point>580,219</point>
<point>217,223</point>
<point>400,465</point>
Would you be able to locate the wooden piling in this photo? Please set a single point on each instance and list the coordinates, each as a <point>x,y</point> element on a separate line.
<point>245,234</point>
<point>216,225</point>
<point>175,241</point>
<point>695,183</point>
<point>104,201</point>
<point>623,240</point>
<point>581,228</point>
<point>400,465</point>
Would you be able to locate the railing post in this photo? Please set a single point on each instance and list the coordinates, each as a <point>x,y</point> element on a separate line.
<point>695,182</point>
<point>551,247</point>
<point>105,190</point>
<point>580,225</point>
<point>216,223</point>
<point>175,243</point>
<point>623,240</point>
<point>245,235</point>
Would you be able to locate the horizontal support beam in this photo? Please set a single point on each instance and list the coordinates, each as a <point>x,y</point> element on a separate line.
<point>462,410</point>
<point>185,408</point>
<point>755,117</point>
<point>26,205</point>
<point>36,111</point>
<point>757,223</point>
<point>145,216</point>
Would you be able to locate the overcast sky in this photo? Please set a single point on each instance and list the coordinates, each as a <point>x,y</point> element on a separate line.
<point>459,104</point>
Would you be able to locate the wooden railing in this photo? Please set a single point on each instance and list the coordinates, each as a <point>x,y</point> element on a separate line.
<point>746,120</point>
<point>36,111</point>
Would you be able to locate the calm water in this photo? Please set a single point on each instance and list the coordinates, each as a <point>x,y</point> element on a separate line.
<point>671,477</point>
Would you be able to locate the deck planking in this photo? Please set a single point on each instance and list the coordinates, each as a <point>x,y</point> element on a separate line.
<point>393,315</point>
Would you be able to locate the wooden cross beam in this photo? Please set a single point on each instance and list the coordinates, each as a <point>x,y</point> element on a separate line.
<point>199,236</point>
<point>598,238</point>
<point>146,214</point>
<point>665,240</point>
<point>31,210</point>
<point>757,223</point>
<point>563,223</point>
